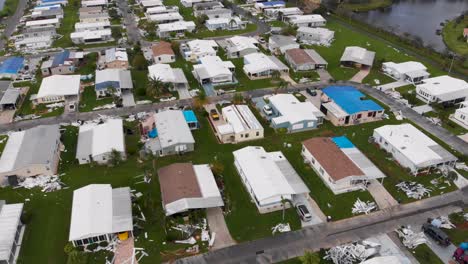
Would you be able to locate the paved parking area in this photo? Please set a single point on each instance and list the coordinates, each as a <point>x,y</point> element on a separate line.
<point>6,116</point>
<point>317,215</point>
<point>217,225</point>
<point>381,196</point>
<point>315,100</point>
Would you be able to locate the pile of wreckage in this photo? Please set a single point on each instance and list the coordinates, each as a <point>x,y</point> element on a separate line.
<point>47,183</point>
<point>282,228</point>
<point>353,253</point>
<point>360,207</point>
<point>409,238</point>
<point>414,190</point>
<point>189,230</point>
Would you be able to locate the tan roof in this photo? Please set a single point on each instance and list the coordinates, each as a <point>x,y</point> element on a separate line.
<point>178,181</point>
<point>299,56</point>
<point>331,158</point>
<point>162,48</point>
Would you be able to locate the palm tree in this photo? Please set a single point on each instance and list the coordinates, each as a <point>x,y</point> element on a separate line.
<point>232,22</point>
<point>156,87</point>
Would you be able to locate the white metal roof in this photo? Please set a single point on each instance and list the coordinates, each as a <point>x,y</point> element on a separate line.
<point>264,174</point>
<point>42,22</point>
<point>238,43</point>
<point>166,16</point>
<point>150,3</point>
<point>322,32</point>
<point>297,19</point>
<point>165,73</point>
<point>82,26</point>
<point>259,62</point>
<point>172,128</point>
<point>91,34</point>
<point>292,110</point>
<point>202,46</point>
<point>103,138</point>
<point>412,143</point>
<point>113,54</point>
<point>98,210</point>
<point>213,66</point>
<point>406,67</point>
<point>59,85</point>
<point>175,26</point>
<point>10,215</point>
<point>123,77</point>
<point>240,118</point>
<point>445,87</point>
<point>358,55</point>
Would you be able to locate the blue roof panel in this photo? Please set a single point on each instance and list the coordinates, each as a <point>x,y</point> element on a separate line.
<point>273,3</point>
<point>60,58</point>
<point>12,65</point>
<point>190,116</point>
<point>351,99</point>
<point>343,142</point>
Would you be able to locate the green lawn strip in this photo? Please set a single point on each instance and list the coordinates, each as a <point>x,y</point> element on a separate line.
<point>9,8</point>
<point>367,6</point>
<point>3,141</point>
<point>345,37</point>
<point>398,42</point>
<point>453,36</point>
<point>376,77</point>
<point>88,100</point>
<point>277,23</point>
<point>205,33</point>
<point>89,64</point>
<point>425,255</point>
<point>186,12</point>
<point>408,92</point>
<point>140,83</point>
<point>70,17</point>
<point>459,234</point>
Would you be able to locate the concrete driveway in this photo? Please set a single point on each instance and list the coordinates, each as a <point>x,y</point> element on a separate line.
<point>317,215</point>
<point>392,85</point>
<point>444,253</point>
<point>381,196</point>
<point>128,99</point>
<point>358,77</point>
<point>218,225</point>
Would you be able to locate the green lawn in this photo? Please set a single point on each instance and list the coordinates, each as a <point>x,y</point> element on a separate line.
<point>89,64</point>
<point>459,234</point>
<point>277,23</point>
<point>409,93</point>
<point>369,5</point>
<point>205,33</point>
<point>9,8</point>
<point>374,75</point>
<point>347,37</point>
<point>425,255</point>
<point>70,17</point>
<point>453,36</point>
<point>88,100</point>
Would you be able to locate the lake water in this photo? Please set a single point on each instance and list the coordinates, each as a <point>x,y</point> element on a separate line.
<point>2,4</point>
<point>417,17</point>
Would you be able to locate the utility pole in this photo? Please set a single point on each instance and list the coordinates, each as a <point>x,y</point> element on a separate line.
<point>451,63</point>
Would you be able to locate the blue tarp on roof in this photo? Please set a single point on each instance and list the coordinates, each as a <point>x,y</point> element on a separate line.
<point>107,84</point>
<point>60,58</point>
<point>51,1</point>
<point>12,65</point>
<point>350,99</point>
<point>273,3</point>
<point>153,133</point>
<point>343,142</point>
<point>190,116</point>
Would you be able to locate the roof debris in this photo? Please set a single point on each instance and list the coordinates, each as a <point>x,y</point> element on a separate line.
<point>360,207</point>
<point>409,238</point>
<point>414,190</point>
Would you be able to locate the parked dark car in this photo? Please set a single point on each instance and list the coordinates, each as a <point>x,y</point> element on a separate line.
<point>311,91</point>
<point>437,234</point>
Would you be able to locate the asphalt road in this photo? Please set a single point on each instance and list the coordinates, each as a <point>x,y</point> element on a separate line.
<point>293,244</point>
<point>133,33</point>
<point>453,141</point>
<point>11,22</point>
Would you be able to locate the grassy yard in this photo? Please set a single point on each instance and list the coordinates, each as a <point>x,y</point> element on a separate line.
<point>89,64</point>
<point>453,36</point>
<point>88,100</point>
<point>375,77</point>
<point>205,33</point>
<point>9,8</point>
<point>364,7</point>
<point>347,37</point>
<point>459,234</point>
<point>70,17</point>
<point>425,255</point>
<point>277,23</point>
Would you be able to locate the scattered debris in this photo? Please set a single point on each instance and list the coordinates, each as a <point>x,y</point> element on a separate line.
<point>205,235</point>
<point>360,207</point>
<point>168,99</point>
<point>106,106</point>
<point>409,238</point>
<point>190,241</point>
<point>414,190</point>
<point>352,253</point>
<point>194,250</point>
<point>130,118</point>
<point>143,102</point>
<point>282,228</point>
<point>461,166</point>
<point>46,182</point>
<point>442,222</point>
